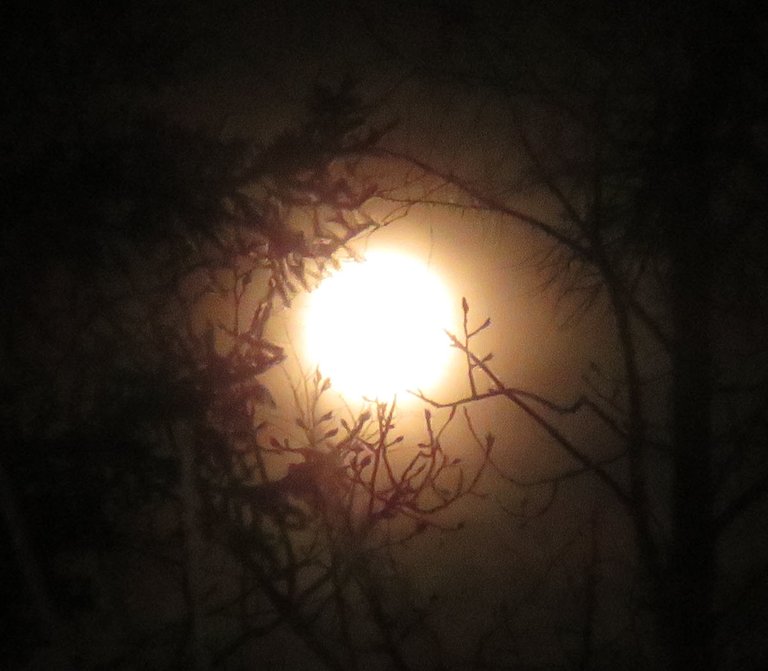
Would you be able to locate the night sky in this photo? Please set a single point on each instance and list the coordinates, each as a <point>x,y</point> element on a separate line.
<point>585,487</point>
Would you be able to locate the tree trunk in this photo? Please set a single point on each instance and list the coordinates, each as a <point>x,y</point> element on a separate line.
<point>690,575</point>
<point>182,441</point>
<point>51,626</point>
<point>688,582</point>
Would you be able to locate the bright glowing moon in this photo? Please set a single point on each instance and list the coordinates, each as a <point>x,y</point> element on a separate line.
<point>376,328</point>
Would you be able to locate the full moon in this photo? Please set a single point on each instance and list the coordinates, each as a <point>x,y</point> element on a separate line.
<point>377,327</point>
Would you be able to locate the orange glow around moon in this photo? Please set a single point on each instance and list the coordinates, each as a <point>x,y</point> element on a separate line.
<point>376,327</point>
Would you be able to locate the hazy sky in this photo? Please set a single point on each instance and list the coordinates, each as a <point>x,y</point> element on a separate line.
<point>430,70</point>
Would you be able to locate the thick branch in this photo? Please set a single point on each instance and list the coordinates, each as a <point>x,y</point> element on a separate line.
<point>502,390</point>
<point>491,203</point>
<point>756,491</point>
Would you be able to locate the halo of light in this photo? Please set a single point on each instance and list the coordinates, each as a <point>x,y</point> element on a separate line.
<point>377,327</point>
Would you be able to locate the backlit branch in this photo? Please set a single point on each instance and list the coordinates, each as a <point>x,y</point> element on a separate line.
<point>524,401</point>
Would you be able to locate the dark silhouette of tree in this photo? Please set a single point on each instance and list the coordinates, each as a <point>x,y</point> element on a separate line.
<point>158,515</point>
<point>642,131</point>
<point>142,258</point>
